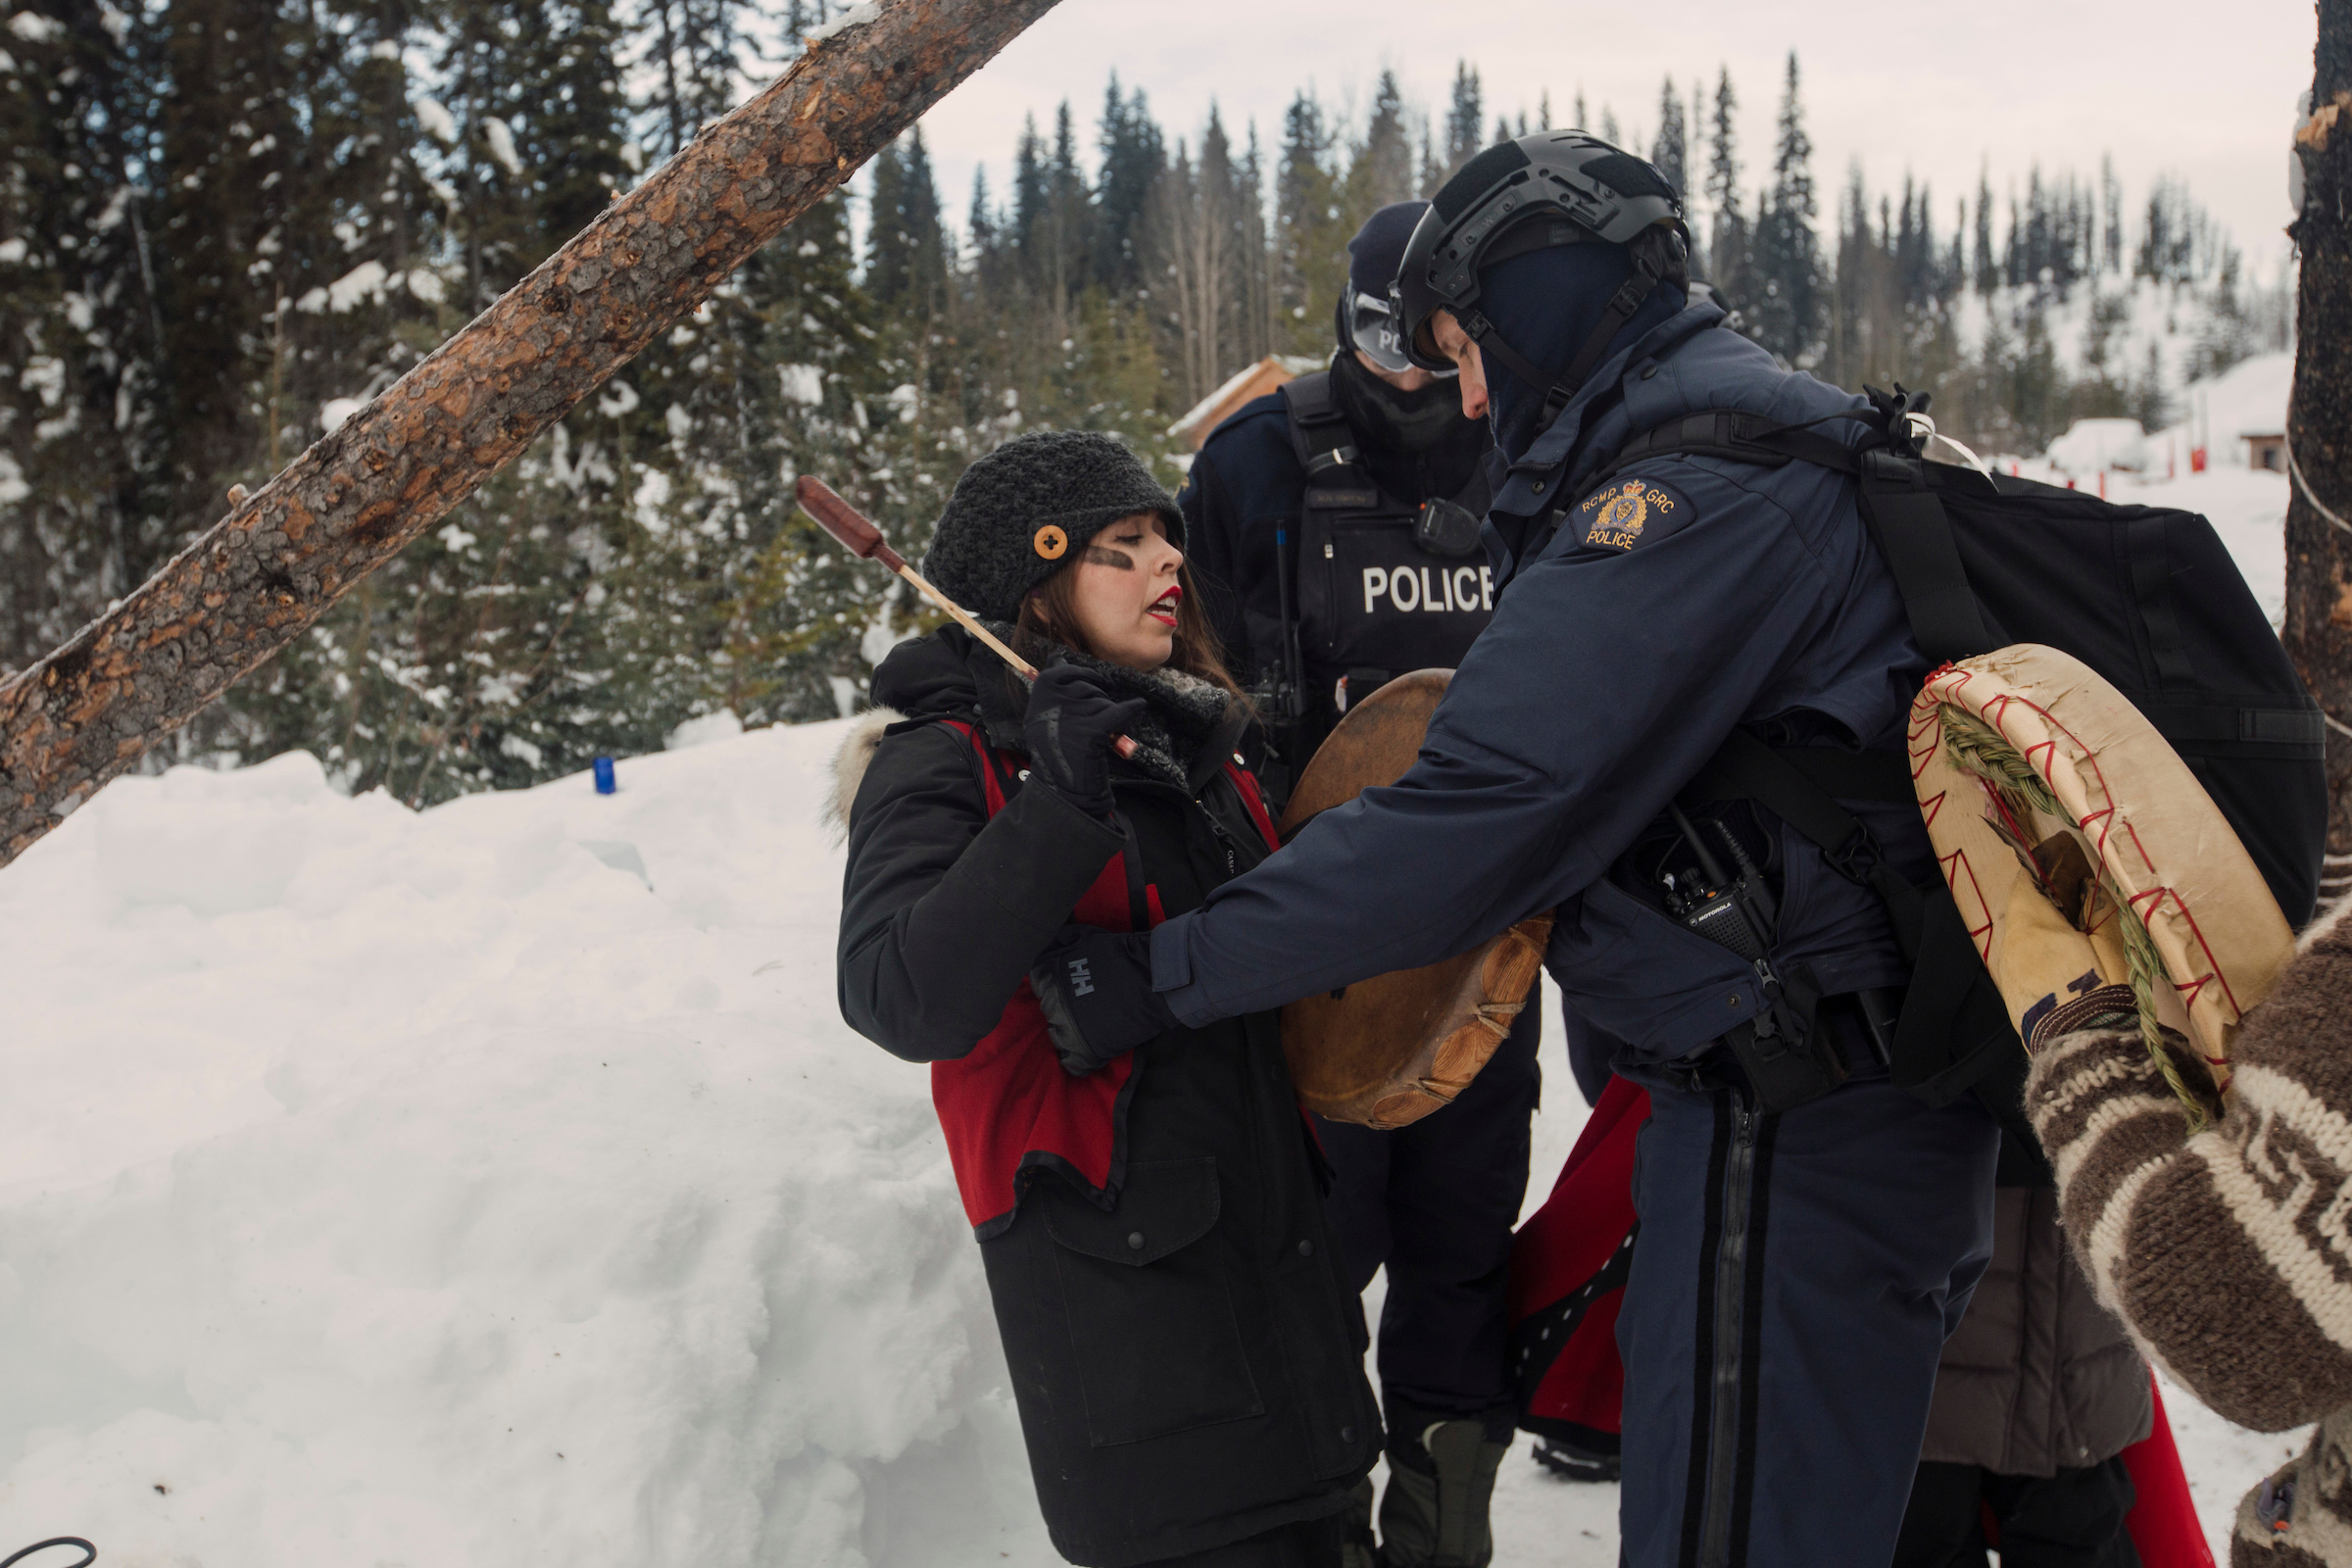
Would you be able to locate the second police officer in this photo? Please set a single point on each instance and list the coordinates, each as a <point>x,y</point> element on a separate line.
<point>1334,526</point>
<point>1809,1232</point>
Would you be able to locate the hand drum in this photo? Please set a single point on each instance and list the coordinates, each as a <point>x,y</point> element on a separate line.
<point>1390,1049</point>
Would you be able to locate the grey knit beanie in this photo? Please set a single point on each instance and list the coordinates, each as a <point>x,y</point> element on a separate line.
<point>1023,510</point>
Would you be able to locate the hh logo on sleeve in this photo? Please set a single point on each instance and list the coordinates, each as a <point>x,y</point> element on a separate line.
<point>1617,515</point>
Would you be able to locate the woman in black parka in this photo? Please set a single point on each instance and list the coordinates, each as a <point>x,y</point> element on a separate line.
<point>1184,1349</point>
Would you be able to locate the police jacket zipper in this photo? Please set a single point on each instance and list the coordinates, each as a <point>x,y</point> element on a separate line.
<point>1730,1336</point>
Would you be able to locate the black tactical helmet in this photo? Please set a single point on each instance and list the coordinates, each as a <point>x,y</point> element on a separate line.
<point>1366,310</point>
<point>1554,188</point>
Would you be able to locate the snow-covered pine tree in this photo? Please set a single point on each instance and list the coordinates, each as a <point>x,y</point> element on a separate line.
<point>1067,242</point>
<point>1671,151</point>
<point>1380,168</point>
<point>1788,292</point>
<point>907,243</point>
<point>1310,239</point>
<point>1464,117</point>
<point>1254,323</point>
<point>983,236</point>
<point>1984,264</point>
<point>813,357</point>
<point>300,257</point>
<point>693,51</point>
<point>429,678</point>
<point>2111,206</point>
<point>83,476</point>
<point>1728,233</point>
<point>1129,147</point>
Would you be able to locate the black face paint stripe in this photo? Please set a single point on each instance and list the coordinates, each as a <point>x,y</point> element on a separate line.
<point>1104,555</point>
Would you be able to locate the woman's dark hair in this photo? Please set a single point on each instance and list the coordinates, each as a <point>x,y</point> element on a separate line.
<point>1048,615</point>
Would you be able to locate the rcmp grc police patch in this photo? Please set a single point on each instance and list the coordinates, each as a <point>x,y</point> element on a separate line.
<point>1624,511</point>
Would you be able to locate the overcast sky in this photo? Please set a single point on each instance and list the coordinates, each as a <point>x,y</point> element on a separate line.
<point>2204,90</point>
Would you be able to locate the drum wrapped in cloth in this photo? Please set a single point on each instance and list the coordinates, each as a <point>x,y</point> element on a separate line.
<point>2026,757</point>
<point>1390,1050</point>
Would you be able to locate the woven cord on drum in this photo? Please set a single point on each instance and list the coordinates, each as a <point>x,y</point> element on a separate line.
<point>1980,751</point>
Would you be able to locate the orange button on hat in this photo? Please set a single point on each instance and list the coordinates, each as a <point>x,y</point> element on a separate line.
<point>1051,542</point>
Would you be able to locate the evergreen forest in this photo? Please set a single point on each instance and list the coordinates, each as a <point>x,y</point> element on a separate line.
<point>225,224</point>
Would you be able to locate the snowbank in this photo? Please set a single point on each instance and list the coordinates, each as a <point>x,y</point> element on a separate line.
<point>388,1187</point>
<point>2094,446</point>
<point>498,1185</point>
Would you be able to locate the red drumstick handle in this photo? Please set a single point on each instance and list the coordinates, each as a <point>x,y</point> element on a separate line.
<point>845,523</point>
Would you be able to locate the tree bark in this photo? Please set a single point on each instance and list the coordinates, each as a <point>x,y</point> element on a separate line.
<point>283,555</point>
<point>2318,551</point>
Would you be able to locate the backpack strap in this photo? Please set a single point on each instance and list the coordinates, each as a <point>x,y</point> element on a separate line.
<point>1906,518</point>
<point>1320,432</point>
<point>998,778</point>
<point>1955,1032</point>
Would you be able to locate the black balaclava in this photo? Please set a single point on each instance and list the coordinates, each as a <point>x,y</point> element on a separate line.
<point>1416,443</point>
<point>1545,303</point>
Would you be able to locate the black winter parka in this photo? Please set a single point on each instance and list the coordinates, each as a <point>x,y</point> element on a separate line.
<point>1185,1351</point>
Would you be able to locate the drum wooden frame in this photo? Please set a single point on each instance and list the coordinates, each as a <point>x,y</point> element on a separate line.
<point>2027,756</point>
<point>1390,1049</point>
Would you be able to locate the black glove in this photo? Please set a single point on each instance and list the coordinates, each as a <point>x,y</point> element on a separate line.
<point>1096,988</point>
<point>1069,731</point>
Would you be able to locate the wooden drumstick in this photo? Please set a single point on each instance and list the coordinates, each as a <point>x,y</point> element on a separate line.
<point>860,538</point>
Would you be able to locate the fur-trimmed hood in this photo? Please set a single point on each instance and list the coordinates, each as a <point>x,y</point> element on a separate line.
<point>850,763</point>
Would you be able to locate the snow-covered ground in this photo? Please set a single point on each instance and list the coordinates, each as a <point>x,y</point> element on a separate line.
<point>394,1189</point>
<point>498,1185</point>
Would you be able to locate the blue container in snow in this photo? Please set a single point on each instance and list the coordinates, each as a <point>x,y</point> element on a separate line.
<point>604,776</point>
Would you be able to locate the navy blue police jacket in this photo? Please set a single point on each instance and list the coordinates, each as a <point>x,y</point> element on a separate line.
<point>1244,483</point>
<point>1635,631</point>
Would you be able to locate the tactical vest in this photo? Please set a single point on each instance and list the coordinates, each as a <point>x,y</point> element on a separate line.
<point>1383,586</point>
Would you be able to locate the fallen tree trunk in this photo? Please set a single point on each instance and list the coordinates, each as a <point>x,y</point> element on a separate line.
<point>284,555</point>
<point>2318,425</point>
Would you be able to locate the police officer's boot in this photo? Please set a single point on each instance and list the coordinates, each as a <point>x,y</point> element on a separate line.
<point>1357,1549</point>
<point>1441,1483</point>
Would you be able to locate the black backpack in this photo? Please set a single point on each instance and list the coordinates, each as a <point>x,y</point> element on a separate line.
<point>2146,596</point>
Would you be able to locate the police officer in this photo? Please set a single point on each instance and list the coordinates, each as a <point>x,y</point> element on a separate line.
<point>1809,1233</point>
<point>1335,528</point>
<point>1320,514</point>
